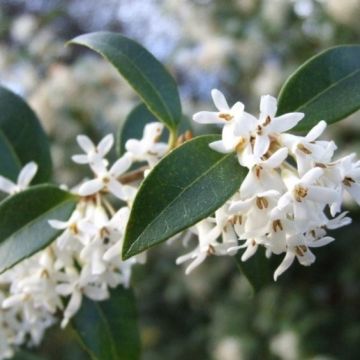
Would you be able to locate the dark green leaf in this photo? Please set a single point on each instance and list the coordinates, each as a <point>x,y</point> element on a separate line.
<point>186,186</point>
<point>108,330</point>
<point>24,228</point>
<point>22,355</point>
<point>326,87</point>
<point>10,165</point>
<point>142,70</point>
<point>23,131</point>
<point>258,269</point>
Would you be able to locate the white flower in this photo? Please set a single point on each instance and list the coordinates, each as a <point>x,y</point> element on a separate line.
<point>93,154</point>
<point>148,148</point>
<point>270,125</point>
<point>349,174</point>
<point>25,177</point>
<point>263,176</point>
<point>229,117</point>
<point>208,244</point>
<point>249,136</point>
<point>307,150</point>
<point>298,246</point>
<point>304,198</point>
<point>107,180</point>
<point>75,285</point>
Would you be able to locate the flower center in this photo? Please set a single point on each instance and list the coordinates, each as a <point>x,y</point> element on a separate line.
<point>262,203</point>
<point>241,144</point>
<point>301,250</point>
<point>73,229</point>
<point>259,130</point>
<point>304,149</point>
<point>225,116</point>
<point>300,193</point>
<point>277,225</point>
<point>348,181</point>
<point>258,169</point>
<point>267,121</point>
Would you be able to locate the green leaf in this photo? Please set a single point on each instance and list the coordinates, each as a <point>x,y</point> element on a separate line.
<point>258,269</point>
<point>186,186</point>
<point>326,87</point>
<point>22,355</point>
<point>108,330</point>
<point>133,127</point>
<point>10,165</point>
<point>24,228</point>
<point>21,128</point>
<point>142,70</point>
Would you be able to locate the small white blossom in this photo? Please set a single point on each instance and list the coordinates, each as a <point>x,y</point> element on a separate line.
<point>93,154</point>
<point>148,148</point>
<point>107,180</point>
<point>24,179</point>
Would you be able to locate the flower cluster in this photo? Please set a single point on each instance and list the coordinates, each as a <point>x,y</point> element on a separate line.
<point>292,193</point>
<point>85,260</point>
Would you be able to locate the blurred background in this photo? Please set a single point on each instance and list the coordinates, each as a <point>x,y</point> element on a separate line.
<point>245,48</point>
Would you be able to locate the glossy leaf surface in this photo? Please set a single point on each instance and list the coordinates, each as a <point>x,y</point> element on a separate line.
<point>24,228</point>
<point>326,87</point>
<point>186,186</point>
<point>142,70</point>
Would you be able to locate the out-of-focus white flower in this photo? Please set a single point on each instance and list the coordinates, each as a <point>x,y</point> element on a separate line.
<point>24,179</point>
<point>285,345</point>
<point>208,234</point>
<point>148,148</point>
<point>306,150</point>
<point>93,154</point>
<point>23,28</point>
<point>107,180</point>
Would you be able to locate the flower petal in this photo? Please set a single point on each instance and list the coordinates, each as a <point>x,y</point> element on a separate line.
<point>105,145</point>
<point>354,191</point>
<point>80,159</point>
<point>268,106</point>
<point>120,166</point>
<point>316,131</point>
<point>311,176</point>
<point>208,117</point>
<point>27,174</point>
<point>116,189</point>
<point>321,242</point>
<point>261,146</point>
<point>285,122</point>
<point>219,146</point>
<point>321,194</point>
<point>245,124</point>
<point>284,265</point>
<point>6,185</point>
<point>85,143</point>
<point>276,159</point>
<point>56,224</point>
<point>250,250</point>
<point>91,187</point>
<point>219,100</point>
